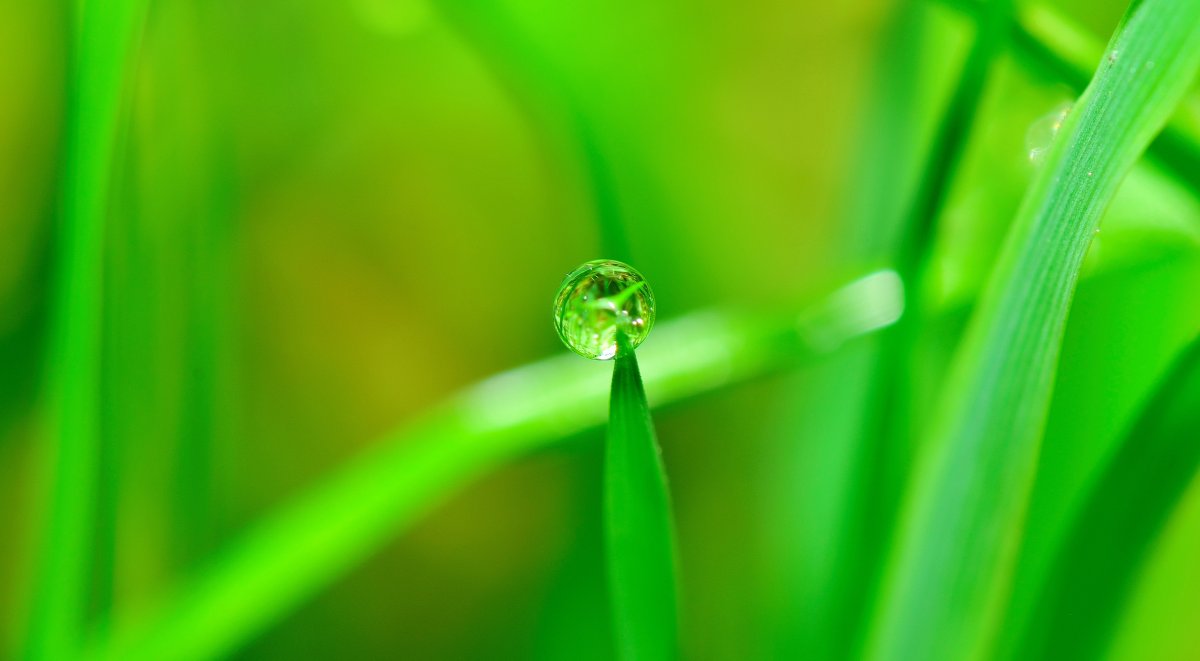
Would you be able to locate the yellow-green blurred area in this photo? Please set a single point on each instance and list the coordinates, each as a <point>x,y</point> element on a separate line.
<point>326,218</point>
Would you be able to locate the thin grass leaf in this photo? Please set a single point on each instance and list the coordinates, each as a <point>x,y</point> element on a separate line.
<point>888,444</point>
<point>1050,40</point>
<point>310,542</point>
<point>898,124</point>
<point>1118,346</point>
<point>830,483</point>
<point>949,576</point>
<point>810,490</point>
<point>640,534</point>
<point>1113,533</point>
<point>951,139</point>
<point>166,333</point>
<point>101,49</point>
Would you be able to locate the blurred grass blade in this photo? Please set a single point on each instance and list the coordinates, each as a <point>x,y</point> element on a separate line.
<point>538,87</point>
<point>1129,506</point>
<point>103,41</point>
<point>813,490</point>
<point>897,126</point>
<point>311,541</point>
<point>950,140</point>
<point>887,446</point>
<point>641,537</point>
<point>949,575</point>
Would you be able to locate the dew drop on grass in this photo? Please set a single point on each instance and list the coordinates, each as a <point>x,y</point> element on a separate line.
<point>597,301</point>
<point>1043,130</point>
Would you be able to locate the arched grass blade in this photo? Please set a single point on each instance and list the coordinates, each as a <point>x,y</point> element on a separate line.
<point>948,579</point>
<point>307,544</point>
<point>1051,41</point>
<point>640,534</point>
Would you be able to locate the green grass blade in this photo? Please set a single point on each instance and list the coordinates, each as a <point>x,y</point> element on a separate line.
<point>1048,37</point>
<point>897,124</point>
<point>1129,506</point>
<point>951,139</point>
<point>888,447</point>
<point>311,541</point>
<point>1050,41</point>
<point>101,48</point>
<point>1118,346</point>
<point>809,495</point>
<point>640,534</point>
<point>915,129</point>
<point>949,576</point>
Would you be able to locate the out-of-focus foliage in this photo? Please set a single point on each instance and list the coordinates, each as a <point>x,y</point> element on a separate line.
<point>329,240</point>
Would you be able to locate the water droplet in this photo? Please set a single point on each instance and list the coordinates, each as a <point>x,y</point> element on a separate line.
<point>597,301</point>
<point>1043,130</point>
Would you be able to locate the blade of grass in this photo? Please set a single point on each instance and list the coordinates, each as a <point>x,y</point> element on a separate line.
<point>949,575</point>
<point>311,541</point>
<point>640,534</point>
<point>1049,40</point>
<point>1041,28</point>
<point>165,323</point>
<point>817,488</point>
<point>897,127</point>
<point>1112,535</point>
<point>887,446</point>
<point>101,49</point>
<point>1119,344</point>
<point>808,493</point>
<point>950,141</point>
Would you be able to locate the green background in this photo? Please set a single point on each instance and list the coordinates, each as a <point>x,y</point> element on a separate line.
<point>326,218</point>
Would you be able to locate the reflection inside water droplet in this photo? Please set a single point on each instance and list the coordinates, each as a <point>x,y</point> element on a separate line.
<point>1043,130</point>
<point>597,301</point>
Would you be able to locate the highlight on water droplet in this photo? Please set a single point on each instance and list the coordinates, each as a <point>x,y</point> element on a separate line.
<point>599,302</point>
<point>1043,130</point>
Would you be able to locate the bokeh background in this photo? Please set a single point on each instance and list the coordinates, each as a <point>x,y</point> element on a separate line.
<point>328,217</point>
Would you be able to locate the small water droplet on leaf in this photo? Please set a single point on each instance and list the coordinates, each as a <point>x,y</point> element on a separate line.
<point>1043,130</point>
<point>599,300</point>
